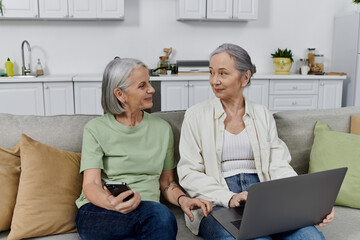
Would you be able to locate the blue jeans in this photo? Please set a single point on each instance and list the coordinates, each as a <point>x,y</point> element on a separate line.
<point>150,220</point>
<point>211,229</point>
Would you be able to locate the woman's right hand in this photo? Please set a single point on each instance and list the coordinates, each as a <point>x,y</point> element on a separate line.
<point>237,198</point>
<point>118,203</point>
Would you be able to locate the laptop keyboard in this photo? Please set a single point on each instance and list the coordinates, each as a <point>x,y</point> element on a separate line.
<point>237,223</point>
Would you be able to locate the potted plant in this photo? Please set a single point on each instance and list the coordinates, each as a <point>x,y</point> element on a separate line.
<point>283,59</point>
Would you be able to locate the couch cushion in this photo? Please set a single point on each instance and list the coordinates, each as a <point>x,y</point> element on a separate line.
<point>345,225</point>
<point>49,185</point>
<point>296,129</point>
<point>175,119</point>
<point>9,179</point>
<point>63,132</point>
<point>355,125</point>
<point>334,150</point>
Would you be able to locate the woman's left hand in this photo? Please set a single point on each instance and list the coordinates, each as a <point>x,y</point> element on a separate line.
<point>187,204</point>
<point>328,218</point>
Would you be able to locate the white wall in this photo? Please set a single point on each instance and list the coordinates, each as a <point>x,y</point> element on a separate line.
<point>67,47</point>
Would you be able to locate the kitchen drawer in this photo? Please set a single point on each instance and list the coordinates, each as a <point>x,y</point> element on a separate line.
<point>293,102</point>
<point>294,87</point>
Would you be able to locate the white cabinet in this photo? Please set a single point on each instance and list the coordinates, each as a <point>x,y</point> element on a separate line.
<point>53,9</point>
<point>330,93</point>
<point>58,98</point>
<point>110,9</point>
<point>304,94</point>
<point>22,98</point>
<point>191,9</point>
<point>64,9</point>
<point>37,98</point>
<point>20,9</point>
<point>82,8</point>
<point>219,9</point>
<point>258,92</point>
<point>228,10</point>
<point>180,95</point>
<point>88,98</point>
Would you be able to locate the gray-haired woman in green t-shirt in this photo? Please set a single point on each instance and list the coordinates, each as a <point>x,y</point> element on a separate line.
<point>129,145</point>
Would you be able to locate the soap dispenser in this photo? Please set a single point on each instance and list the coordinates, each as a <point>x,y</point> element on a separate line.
<point>9,68</point>
<point>39,69</point>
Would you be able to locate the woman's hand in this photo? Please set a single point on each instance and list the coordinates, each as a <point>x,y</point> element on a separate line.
<point>118,203</point>
<point>328,218</point>
<point>187,204</point>
<point>237,198</point>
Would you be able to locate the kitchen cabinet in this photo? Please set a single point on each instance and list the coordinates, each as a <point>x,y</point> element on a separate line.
<point>295,94</point>
<point>20,9</point>
<point>88,98</point>
<point>53,8</point>
<point>37,97</point>
<point>223,10</point>
<point>258,92</point>
<point>180,95</point>
<point>64,9</point>
<point>58,98</point>
<point>22,98</point>
<point>330,93</point>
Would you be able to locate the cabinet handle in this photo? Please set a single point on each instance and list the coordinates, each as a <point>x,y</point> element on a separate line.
<point>294,103</point>
<point>186,85</point>
<point>295,87</point>
<point>46,87</point>
<point>191,85</point>
<point>322,84</point>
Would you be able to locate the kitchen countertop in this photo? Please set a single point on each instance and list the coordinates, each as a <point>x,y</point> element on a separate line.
<point>205,77</point>
<point>47,78</point>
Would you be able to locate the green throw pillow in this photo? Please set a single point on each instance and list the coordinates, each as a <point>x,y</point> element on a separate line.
<point>334,150</point>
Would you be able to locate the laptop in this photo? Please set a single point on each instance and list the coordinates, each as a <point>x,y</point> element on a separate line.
<point>282,205</point>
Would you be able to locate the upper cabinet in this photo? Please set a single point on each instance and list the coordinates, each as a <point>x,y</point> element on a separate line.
<point>20,8</point>
<point>222,10</point>
<point>64,9</point>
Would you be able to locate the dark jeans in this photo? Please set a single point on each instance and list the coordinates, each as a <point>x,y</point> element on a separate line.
<point>150,220</point>
<point>212,230</point>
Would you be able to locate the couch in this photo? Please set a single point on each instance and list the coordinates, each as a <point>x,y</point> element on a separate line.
<point>295,128</point>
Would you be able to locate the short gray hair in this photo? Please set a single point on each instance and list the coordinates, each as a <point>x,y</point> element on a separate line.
<point>241,57</point>
<point>116,75</point>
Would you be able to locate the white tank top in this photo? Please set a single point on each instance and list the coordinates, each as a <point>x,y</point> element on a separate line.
<point>237,154</point>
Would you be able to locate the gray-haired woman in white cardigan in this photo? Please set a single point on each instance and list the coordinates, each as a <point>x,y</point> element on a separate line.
<point>228,143</point>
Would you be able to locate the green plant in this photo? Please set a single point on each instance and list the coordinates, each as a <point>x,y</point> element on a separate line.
<point>1,8</point>
<point>356,1</point>
<point>284,53</point>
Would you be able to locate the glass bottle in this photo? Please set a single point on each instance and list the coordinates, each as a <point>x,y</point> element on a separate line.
<point>318,67</point>
<point>39,69</point>
<point>311,56</point>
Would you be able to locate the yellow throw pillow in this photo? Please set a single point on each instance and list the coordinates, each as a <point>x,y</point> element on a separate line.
<point>9,180</point>
<point>49,185</point>
<point>355,125</point>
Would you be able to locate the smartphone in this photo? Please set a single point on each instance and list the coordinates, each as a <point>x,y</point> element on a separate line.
<point>118,187</point>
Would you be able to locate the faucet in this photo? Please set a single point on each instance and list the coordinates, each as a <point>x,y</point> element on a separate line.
<point>25,70</point>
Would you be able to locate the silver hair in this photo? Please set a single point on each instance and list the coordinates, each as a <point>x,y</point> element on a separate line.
<point>241,57</point>
<point>116,75</point>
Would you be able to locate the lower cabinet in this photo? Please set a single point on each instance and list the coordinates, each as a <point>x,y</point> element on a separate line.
<point>88,98</point>
<point>180,95</point>
<point>276,94</point>
<point>22,98</point>
<point>37,98</point>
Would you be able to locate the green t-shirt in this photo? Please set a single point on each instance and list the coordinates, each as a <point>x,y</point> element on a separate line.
<point>135,155</point>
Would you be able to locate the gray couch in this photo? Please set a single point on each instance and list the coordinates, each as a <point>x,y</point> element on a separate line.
<point>294,127</point>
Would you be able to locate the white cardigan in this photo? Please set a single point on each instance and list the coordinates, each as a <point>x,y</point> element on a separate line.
<point>201,141</point>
